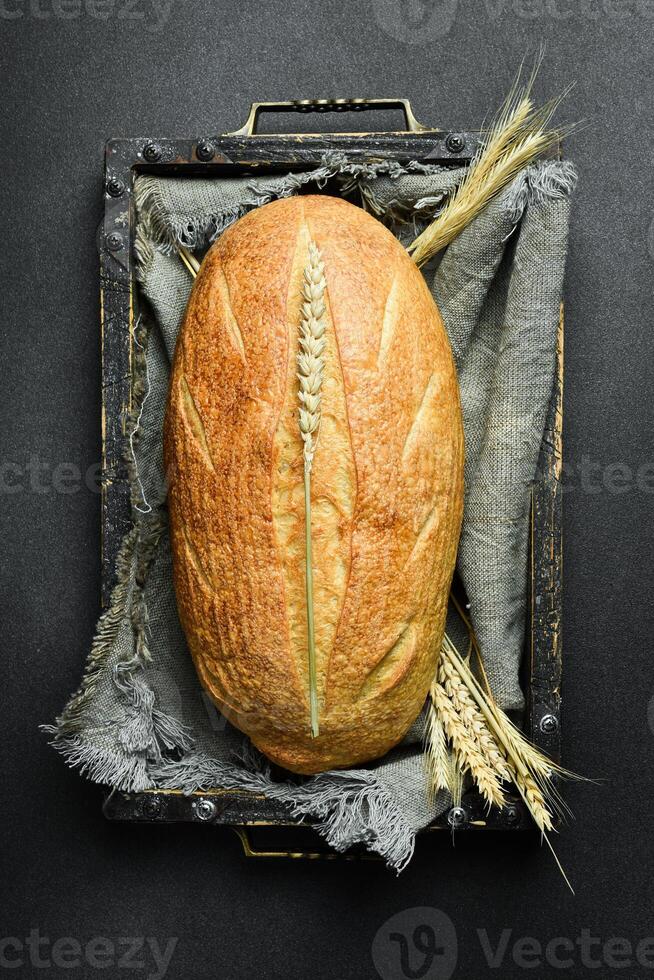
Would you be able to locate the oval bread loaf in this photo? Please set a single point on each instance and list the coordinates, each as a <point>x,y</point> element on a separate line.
<point>386,484</point>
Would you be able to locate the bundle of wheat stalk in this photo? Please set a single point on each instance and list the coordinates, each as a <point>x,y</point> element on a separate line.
<point>519,134</point>
<point>469,734</point>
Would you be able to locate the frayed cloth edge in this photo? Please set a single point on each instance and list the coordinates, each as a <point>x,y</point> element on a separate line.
<point>146,732</point>
<point>346,808</point>
<point>159,229</point>
<point>546,180</point>
<point>110,622</point>
<point>127,773</point>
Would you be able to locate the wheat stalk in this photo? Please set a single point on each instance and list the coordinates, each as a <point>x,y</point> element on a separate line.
<point>311,364</point>
<point>469,712</point>
<point>310,360</point>
<point>530,770</point>
<point>189,260</point>
<point>519,134</point>
<point>472,717</point>
<point>456,780</point>
<point>469,756</point>
<point>437,755</point>
<point>533,759</point>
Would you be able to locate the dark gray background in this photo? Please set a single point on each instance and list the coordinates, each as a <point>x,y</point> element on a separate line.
<point>70,81</point>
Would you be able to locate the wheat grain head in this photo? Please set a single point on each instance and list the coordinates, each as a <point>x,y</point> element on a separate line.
<point>466,748</point>
<point>310,360</point>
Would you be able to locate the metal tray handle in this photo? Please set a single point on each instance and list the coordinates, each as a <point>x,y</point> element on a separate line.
<point>329,105</point>
<point>250,850</point>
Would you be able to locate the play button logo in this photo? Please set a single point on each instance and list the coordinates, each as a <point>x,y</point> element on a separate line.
<point>416,944</point>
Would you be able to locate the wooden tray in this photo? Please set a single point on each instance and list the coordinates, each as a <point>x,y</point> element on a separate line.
<point>246,152</point>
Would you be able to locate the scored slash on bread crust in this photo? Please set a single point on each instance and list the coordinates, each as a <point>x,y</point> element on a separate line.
<point>387,484</point>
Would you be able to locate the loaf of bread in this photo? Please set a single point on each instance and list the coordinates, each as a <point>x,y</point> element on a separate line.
<point>386,484</point>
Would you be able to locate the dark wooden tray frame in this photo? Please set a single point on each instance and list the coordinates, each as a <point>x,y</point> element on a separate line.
<point>236,154</point>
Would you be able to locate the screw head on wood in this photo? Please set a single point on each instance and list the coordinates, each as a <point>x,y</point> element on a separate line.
<point>549,724</point>
<point>512,815</point>
<point>455,143</point>
<point>205,150</point>
<point>115,187</point>
<point>114,241</point>
<point>204,810</point>
<point>152,807</point>
<point>152,152</point>
<point>457,817</point>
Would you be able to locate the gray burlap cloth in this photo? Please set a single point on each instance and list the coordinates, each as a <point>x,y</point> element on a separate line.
<point>140,719</point>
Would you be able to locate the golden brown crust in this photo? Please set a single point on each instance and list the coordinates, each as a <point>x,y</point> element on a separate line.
<point>386,484</point>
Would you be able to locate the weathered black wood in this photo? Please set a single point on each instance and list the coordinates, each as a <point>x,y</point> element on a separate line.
<point>236,808</point>
<point>285,152</point>
<point>237,154</point>
<point>544,652</point>
<point>116,306</point>
<point>220,806</point>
